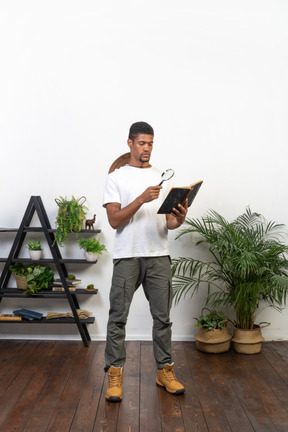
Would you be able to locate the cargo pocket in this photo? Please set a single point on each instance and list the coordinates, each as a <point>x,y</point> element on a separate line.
<point>117,300</point>
<point>170,295</point>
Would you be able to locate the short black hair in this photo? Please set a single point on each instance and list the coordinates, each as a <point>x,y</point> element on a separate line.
<point>140,128</point>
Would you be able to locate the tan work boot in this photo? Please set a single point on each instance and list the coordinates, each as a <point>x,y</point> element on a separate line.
<point>115,381</point>
<point>167,379</point>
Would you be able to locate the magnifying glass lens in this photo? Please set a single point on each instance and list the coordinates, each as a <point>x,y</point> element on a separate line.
<point>166,175</point>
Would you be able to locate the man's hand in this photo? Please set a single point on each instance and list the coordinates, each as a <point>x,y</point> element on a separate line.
<point>118,216</point>
<point>150,194</point>
<point>177,217</point>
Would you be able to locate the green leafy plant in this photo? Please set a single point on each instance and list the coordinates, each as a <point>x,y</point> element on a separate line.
<point>247,264</point>
<point>70,216</point>
<point>213,320</point>
<point>34,245</point>
<point>19,269</point>
<point>91,245</point>
<point>90,287</point>
<point>37,277</point>
<point>71,277</point>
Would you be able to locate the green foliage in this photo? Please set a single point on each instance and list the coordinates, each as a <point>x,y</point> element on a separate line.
<point>90,287</point>
<point>37,277</point>
<point>247,264</point>
<point>71,277</point>
<point>91,245</point>
<point>69,218</point>
<point>213,320</point>
<point>19,269</point>
<point>34,245</point>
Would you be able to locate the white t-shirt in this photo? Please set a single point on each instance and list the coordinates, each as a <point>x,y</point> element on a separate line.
<point>146,234</point>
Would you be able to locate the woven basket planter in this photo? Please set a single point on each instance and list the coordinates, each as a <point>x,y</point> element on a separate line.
<point>21,282</point>
<point>213,341</point>
<point>247,341</point>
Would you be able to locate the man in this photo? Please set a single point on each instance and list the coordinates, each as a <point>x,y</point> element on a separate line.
<point>132,198</point>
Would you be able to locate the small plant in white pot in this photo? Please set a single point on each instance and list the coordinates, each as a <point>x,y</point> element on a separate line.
<point>35,249</point>
<point>92,248</point>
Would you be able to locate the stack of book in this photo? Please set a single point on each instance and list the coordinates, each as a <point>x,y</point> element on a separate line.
<point>72,284</point>
<point>19,314</point>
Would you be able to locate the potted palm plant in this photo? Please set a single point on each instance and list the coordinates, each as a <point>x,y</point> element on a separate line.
<point>247,267</point>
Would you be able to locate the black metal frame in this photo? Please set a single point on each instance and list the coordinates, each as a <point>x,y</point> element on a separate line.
<point>36,205</point>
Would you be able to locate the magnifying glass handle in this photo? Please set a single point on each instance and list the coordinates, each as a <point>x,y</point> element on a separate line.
<point>161,183</point>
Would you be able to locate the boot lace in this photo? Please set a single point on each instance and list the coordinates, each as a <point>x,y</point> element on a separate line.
<point>170,375</point>
<point>114,380</point>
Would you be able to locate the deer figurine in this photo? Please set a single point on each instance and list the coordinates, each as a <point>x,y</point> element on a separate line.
<point>90,223</point>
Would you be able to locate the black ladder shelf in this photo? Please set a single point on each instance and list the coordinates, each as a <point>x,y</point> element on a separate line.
<point>35,205</point>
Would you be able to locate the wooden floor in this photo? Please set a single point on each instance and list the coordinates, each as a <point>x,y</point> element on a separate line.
<point>60,387</point>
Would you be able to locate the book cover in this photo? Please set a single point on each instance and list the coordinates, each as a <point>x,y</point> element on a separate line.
<point>69,281</point>
<point>10,317</point>
<point>178,195</point>
<point>28,314</point>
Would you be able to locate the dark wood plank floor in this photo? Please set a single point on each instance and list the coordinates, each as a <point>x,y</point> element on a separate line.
<point>60,386</point>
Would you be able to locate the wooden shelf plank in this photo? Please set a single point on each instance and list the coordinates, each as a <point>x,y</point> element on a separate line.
<point>14,292</point>
<point>50,230</point>
<point>66,320</point>
<point>51,260</point>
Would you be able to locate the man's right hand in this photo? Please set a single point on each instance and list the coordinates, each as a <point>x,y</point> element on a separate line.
<point>150,194</point>
<point>118,216</point>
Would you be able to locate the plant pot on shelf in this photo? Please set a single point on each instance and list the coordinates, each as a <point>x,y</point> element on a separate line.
<point>213,341</point>
<point>21,282</point>
<point>248,341</point>
<point>91,256</point>
<point>35,254</point>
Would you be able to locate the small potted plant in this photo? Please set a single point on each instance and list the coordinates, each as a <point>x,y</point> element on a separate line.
<point>35,249</point>
<point>213,335</point>
<point>32,278</point>
<point>70,216</point>
<point>92,248</point>
<point>20,272</point>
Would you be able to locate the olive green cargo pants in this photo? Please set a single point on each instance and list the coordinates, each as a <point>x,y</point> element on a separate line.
<point>154,273</point>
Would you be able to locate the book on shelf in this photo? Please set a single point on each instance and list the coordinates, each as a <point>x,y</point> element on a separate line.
<point>10,317</point>
<point>178,195</point>
<point>69,282</point>
<point>61,288</point>
<point>27,314</point>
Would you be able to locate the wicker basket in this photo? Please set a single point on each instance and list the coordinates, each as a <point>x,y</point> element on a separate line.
<point>21,282</point>
<point>248,341</point>
<point>213,341</point>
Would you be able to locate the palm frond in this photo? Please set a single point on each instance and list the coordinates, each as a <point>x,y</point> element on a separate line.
<point>248,263</point>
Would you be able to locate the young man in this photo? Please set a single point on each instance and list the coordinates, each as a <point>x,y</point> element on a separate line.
<point>132,197</point>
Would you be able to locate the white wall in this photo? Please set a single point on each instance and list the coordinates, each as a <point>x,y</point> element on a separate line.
<point>210,76</point>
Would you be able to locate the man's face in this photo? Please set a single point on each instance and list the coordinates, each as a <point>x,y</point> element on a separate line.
<point>141,148</point>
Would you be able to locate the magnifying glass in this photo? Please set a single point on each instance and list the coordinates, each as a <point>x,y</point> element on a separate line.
<point>167,175</point>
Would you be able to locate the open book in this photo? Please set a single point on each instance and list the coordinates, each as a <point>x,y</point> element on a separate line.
<point>178,195</point>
